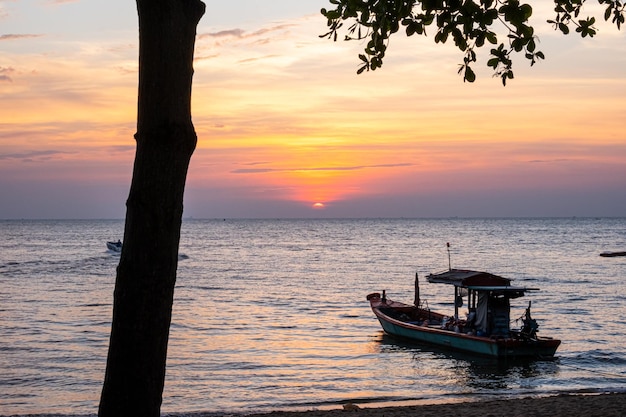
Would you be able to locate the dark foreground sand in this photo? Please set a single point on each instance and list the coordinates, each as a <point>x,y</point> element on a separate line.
<point>600,405</point>
<point>596,405</point>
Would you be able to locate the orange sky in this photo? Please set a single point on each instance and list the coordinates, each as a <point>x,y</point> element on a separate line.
<point>284,122</point>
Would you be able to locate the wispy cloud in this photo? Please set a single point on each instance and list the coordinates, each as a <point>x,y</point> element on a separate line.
<point>4,74</point>
<point>33,155</point>
<point>243,61</point>
<point>340,168</point>
<point>239,34</point>
<point>62,1</point>
<point>544,161</point>
<point>235,33</point>
<point>18,36</point>
<point>121,149</point>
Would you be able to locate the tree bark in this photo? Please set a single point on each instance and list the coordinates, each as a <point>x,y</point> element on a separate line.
<point>146,275</point>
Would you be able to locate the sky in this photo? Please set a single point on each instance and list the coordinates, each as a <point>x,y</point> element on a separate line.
<point>287,129</point>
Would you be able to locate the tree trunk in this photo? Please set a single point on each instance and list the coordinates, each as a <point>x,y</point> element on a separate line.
<point>146,275</point>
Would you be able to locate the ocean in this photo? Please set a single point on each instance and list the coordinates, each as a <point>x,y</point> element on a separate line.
<point>271,314</point>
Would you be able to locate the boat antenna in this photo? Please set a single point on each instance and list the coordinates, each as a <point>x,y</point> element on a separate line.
<point>416,300</point>
<point>449,262</point>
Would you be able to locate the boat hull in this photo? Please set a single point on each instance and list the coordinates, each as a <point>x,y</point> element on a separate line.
<point>612,254</point>
<point>114,246</point>
<point>502,347</point>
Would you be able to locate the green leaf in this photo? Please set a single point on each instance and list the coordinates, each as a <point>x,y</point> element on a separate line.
<point>469,75</point>
<point>526,10</point>
<point>480,40</point>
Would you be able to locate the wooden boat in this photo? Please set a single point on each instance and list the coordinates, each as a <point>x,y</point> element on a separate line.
<point>115,246</point>
<point>612,254</point>
<point>486,328</point>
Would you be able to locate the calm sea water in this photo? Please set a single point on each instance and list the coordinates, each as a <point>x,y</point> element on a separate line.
<point>271,314</point>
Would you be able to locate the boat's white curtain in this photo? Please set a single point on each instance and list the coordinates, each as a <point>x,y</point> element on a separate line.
<point>481,311</point>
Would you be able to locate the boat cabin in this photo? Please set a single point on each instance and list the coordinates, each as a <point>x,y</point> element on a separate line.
<point>488,299</point>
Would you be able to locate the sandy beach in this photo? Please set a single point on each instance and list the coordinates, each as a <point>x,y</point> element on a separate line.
<point>573,405</point>
<point>599,405</point>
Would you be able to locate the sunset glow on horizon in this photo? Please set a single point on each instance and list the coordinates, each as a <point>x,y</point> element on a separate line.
<point>287,129</point>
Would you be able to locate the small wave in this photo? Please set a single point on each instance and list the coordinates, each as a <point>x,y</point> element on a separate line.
<point>597,356</point>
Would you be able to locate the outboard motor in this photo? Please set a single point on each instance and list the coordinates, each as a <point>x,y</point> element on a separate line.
<point>529,325</point>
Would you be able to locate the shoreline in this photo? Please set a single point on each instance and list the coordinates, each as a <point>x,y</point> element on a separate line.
<point>566,405</point>
<point>609,404</point>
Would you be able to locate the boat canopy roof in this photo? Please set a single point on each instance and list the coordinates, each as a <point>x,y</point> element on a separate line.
<point>480,281</point>
<point>467,278</point>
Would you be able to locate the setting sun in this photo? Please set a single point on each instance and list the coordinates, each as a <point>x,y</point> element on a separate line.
<point>318,206</point>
